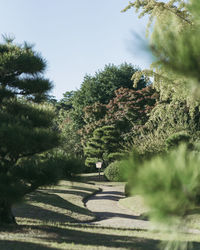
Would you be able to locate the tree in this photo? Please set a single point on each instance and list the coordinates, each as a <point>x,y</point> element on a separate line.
<point>26,125</point>
<point>171,21</point>
<point>127,111</point>
<point>104,142</point>
<point>101,88</point>
<point>71,139</point>
<point>95,92</point>
<point>164,178</point>
<point>174,42</point>
<point>66,102</point>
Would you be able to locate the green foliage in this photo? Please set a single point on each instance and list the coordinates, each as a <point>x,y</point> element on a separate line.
<point>91,161</point>
<point>78,111</point>
<point>175,139</point>
<point>169,184</point>
<point>131,166</point>
<point>105,141</point>
<point>71,139</point>
<point>26,127</point>
<point>94,149</point>
<point>67,165</point>
<point>127,189</point>
<point>127,111</point>
<point>165,120</point>
<point>116,156</point>
<point>101,88</point>
<point>113,172</point>
<point>39,170</point>
<point>157,10</point>
<point>66,102</point>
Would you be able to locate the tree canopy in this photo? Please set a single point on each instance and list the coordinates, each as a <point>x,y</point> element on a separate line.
<point>26,123</point>
<point>101,87</point>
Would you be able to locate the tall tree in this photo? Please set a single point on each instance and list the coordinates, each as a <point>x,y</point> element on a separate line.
<point>104,142</point>
<point>174,18</point>
<point>101,87</point>
<point>25,127</point>
<point>175,43</point>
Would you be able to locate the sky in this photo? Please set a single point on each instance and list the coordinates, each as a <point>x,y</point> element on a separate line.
<point>76,37</point>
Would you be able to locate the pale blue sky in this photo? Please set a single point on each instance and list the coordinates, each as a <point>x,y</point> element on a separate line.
<point>75,36</point>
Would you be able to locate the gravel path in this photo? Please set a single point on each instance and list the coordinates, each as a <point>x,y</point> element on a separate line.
<point>109,213</point>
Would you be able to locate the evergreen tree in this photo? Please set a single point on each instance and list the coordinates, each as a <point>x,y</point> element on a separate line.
<point>169,182</point>
<point>102,145</point>
<point>170,20</point>
<point>94,149</point>
<point>25,125</point>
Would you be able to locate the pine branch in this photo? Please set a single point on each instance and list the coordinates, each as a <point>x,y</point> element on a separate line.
<point>151,7</point>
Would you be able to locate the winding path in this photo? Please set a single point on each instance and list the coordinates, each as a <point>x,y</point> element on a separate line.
<point>108,211</point>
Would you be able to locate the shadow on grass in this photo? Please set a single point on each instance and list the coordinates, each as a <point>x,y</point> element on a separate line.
<point>109,215</point>
<point>60,210</point>
<point>84,238</point>
<point>94,240</point>
<point>114,193</point>
<point>58,191</point>
<point>106,197</point>
<point>33,212</point>
<point>17,245</point>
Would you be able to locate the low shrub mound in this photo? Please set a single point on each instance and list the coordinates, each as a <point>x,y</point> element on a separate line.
<point>113,172</point>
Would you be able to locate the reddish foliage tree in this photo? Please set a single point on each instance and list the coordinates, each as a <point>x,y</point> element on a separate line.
<point>127,110</point>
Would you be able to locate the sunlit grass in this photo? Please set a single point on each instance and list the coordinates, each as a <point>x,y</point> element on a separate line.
<point>60,203</point>
<point>135,204</point>
<point>50,219</point>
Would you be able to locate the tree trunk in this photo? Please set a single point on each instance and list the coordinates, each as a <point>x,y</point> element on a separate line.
<point>6,215</point>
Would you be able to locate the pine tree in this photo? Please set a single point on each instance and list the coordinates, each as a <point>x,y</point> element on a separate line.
<point>169,21</point>
<point>94,148</point>
<point>25,124</point>
<point>163,180</point>
<point>175,71</point>
<point>102,145</point>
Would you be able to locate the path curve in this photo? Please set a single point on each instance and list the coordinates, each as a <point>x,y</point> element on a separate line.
<point>110,213</point>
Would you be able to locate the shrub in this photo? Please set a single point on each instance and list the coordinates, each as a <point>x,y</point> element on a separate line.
<point>170,184</point>
<point>68,165</point>
<point>113,172</point>
<point>48,168</point>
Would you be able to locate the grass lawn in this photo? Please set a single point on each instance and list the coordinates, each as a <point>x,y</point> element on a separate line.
<point>135,204</point>
<point>50,219</point>
<point>60,203</point>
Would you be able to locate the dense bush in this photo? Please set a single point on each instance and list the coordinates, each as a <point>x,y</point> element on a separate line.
<point>114,172</point>
<point>67,165</point>
<point>48,168</point>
